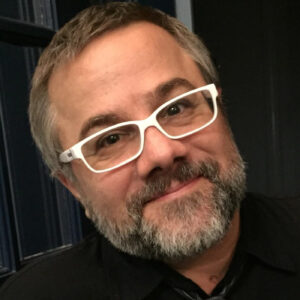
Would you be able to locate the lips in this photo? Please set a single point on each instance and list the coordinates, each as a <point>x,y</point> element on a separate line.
<point>175,186</point>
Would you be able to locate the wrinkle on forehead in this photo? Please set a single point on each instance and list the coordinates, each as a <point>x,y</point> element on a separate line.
<point>116,60</point>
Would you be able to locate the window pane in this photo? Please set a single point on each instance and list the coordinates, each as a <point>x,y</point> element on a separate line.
<point>39,12</point>
<point>38,203</point>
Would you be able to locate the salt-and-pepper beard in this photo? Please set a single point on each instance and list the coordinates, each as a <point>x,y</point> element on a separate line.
<point>188,235</point>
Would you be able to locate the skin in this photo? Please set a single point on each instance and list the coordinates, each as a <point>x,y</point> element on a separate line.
<point>114,75</point>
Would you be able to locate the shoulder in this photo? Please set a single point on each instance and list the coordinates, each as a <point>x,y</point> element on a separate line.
<point>69,274</point>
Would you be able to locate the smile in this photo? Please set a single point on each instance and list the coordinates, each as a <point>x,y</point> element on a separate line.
<point>177,189</point>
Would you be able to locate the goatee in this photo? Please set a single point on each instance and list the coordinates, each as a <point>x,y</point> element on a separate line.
<point>181,229</point>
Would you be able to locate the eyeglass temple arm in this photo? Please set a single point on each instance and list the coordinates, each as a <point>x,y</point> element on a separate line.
<point>66,156</point>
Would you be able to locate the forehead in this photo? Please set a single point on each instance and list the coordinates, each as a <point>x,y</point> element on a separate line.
<point>116,73</point>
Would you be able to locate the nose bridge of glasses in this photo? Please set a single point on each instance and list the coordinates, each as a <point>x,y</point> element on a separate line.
<point>150,122</point>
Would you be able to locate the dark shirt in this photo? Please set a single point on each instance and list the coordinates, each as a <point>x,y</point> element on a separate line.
<point>265,266</point>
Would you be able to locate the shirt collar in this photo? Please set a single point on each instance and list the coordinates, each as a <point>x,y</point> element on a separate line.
<point>134,278</point>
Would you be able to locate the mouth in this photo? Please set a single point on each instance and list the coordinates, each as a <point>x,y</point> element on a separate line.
<point>175,190</point>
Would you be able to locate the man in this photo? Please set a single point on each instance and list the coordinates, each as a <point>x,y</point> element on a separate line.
<point>126,109</point>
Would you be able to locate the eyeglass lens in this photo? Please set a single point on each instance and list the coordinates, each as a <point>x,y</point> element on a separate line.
<point>184,115</point>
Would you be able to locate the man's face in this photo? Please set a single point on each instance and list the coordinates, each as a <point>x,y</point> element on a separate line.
<point>177,194</point>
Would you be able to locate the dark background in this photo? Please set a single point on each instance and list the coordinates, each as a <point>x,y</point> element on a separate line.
<point>256,47</point>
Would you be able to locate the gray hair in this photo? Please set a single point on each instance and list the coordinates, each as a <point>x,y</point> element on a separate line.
<point>70,40</point>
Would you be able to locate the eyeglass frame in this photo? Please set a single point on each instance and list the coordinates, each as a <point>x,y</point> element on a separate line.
<point>75,151</point>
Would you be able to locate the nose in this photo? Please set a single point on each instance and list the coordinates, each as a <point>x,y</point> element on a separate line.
<point>159,153</point>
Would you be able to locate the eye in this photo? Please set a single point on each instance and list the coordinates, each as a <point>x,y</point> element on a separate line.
<point>112,139</point>
<point>178,109</point>
<point>112,143</point>
<point>175,109</point>
<point>107,141</point>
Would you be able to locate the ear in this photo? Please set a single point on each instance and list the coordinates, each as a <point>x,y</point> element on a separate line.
<point>219,89</point>
<point>73,189</point>
<point>69,185</point>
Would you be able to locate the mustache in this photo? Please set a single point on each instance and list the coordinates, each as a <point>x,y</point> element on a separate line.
<point>158,184</point>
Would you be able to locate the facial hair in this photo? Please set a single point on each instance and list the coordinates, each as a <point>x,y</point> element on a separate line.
<point>179,230</point>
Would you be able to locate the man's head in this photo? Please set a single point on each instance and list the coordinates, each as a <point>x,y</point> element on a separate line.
<point>178,197</point>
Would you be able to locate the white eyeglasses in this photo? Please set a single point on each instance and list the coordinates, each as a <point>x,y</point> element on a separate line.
<point>120,144</point>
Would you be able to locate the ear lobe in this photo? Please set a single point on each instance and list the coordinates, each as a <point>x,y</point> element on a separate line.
<point>87,214</point>
<point>219,89</point>
<point>69,185</point>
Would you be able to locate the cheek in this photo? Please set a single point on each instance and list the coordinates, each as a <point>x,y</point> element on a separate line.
<point>108,192</point>
<point>118,184</point>
<point>214,142</point>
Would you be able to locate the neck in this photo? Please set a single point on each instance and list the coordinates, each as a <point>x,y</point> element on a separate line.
<point>209,268</point>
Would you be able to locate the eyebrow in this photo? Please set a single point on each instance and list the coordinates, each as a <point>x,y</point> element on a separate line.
<point>164,89</point>
<point>99,120</point>
<point>160,93</point>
